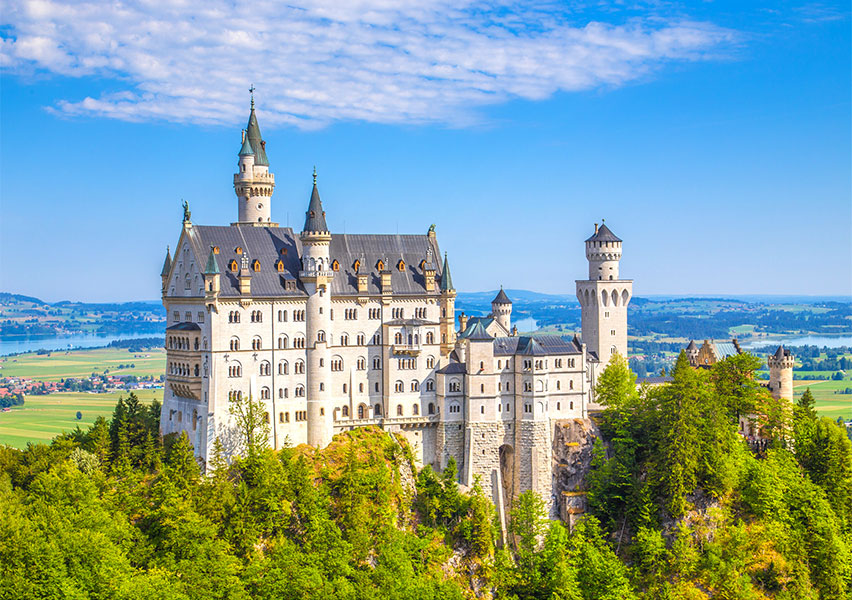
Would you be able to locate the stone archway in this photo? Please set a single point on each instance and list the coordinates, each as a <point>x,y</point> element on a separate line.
<point>507,473</point>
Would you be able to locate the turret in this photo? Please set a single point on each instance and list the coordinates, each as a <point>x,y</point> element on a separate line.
<point>211,276</point>
<point>501,310</point>
<point>316,275</point>
<point>448,309</point>
<point>781,374</point>
<point>244,276</point>
<point>253,183</point>
<point>603,250</point>
<point>692,353</point>
<point>167,267</point>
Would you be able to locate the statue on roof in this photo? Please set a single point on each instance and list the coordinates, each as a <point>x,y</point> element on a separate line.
<point>432,228</point>
<point>186,213</point>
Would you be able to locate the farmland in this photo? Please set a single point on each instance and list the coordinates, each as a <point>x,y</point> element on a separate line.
<point>82,363</point>
<point>44,417</point>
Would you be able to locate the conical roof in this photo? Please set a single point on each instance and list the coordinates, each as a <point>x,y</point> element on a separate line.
<point>315,216</point>
<point>246,148</point>
<point>533,348</point>
<point>212,268</point>
<point>603,234</point>
<point>446,278</point>
<point>501,298</point>
<point>167,264</point>
<point>257,143</point>
<point>780,353</point>
<point>692,345</point>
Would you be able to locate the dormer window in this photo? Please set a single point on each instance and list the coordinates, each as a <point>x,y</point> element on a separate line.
<point>381,265</point>
<point>356,266</point>
<point>215,249</point>
<point>283,251</point>
<point>238,250</point>
<point>335,266</point>
<point>423,264</point>
<point>401,265</point>
<point>255,265</point>
<point>232,266</point>
<point>280,266</point>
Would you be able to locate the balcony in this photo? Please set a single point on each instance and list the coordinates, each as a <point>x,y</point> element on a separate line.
<point>407,349</point>
<point>315,274</point>
<point>185,386</point>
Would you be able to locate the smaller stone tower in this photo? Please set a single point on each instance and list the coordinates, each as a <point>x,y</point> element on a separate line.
<point>501,310</point>
<point>167,269</point>
<point>781,374</point>
<point>316,276</point>
<point>604,297</point>
<point>448,309</point>
<point>692,353</point>
<point>253,184</point>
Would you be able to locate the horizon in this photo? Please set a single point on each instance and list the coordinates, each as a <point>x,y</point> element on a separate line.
<point>714,139</point>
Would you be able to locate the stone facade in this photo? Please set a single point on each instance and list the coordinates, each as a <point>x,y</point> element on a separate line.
<point>336,331</point>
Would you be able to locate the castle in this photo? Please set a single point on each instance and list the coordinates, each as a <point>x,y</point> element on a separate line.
<point>334,331</point>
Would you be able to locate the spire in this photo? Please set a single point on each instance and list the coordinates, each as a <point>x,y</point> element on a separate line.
<point>315,216</point>
<point>254,138</point>
<point>780,353</point>
<point>167,264</point>
<point>446,278</point>
<point>212,268</point>
<point>246,148</point>
<point>501,298</point>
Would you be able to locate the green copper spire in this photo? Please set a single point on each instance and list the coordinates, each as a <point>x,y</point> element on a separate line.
<point>446,278</point>
<point>246,148</point>
<point>167,265</point>
<point>212,268</point>
<point>254,138</point>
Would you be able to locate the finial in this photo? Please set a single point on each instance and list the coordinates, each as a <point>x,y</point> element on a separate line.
<point>603,221</point>
<point>315,174</point>
<point>186,213</point>
<point>251,91</point>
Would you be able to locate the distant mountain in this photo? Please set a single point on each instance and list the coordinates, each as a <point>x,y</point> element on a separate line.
<point>516,296</point>
<point>6,298</point>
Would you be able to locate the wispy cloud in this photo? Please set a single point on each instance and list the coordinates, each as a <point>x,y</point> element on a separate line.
<point>382,61</point>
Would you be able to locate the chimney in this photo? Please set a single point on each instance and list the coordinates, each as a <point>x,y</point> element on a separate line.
<point>462,322</point>
<point>596,228</point>
<point>362,283</point>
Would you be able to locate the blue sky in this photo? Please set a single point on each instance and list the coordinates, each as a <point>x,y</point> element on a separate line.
<point>714,137</point>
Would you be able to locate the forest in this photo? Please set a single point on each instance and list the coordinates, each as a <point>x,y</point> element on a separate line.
<point>680,507</point>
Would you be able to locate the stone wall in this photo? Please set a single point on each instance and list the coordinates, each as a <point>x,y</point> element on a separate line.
<point>573,440</point>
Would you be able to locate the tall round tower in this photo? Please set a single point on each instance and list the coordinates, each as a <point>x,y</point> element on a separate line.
<point>253,183</point>
<point>501,310</point>
<point>604,298</point>
<point>316,277</point>
<point>781,374</point>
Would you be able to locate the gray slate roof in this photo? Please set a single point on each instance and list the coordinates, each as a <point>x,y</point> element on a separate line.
<point>266,243</point>
<point>185,326</point>
<point>604,235</point>
<point>724,349</point>
<point>262,243</point>
<point>453,368</point>
<point>369,250</point>
<point>471,323</point>
<point>538,345</point>
<point>501,298</point>
<point>478,333</point>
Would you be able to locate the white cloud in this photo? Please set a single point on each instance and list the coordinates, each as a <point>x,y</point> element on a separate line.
<point>375,60</point>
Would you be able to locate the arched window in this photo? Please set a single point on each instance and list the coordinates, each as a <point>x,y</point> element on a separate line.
<point>256,343</point>
<point>283,342</point>
<point>415,410</point>
<point>361,411</point>
<point>264,393</point>
<point>399,410</point>
<point>399,386</point>
<point>283,368</point>
<point>361,364</point>
<point>235,343</point>
<point>377,410</point>
<point>430,337</point>
<point>397,338</point>
<point>431,408</point>
<point>430,385</point>
<point>299,368</point>
<point>345,411</point>
<point>344,340</point>
<point>300,391</point>
<point>320,336</point>
<point>265,368</point>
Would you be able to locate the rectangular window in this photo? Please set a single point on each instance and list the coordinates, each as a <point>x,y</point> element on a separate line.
<point>176,316</point>
<point>200,317</point>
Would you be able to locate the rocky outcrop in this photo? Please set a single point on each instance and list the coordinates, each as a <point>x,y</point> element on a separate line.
<point>573,440</point>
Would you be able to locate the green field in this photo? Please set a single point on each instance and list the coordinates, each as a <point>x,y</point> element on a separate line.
<point>828,403</point>
<point>41,418</point>
<point>82,363</point>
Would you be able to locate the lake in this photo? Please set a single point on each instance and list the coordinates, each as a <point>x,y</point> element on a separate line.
<point>830,341</point>
<point>31,344</point>
<point>526,325</point>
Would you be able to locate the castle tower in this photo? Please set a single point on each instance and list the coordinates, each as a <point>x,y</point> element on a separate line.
<point>253,183</point>
<point>781,374</point>
<point>316,276</point>
<point>448,309</point>
<point>692,353</point>
<point>604,297</point>
<point>501,310</point>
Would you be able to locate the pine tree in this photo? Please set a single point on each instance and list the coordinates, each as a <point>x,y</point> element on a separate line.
<point>181,466</point>
<point>678,435</point>
<point>98,440</point>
